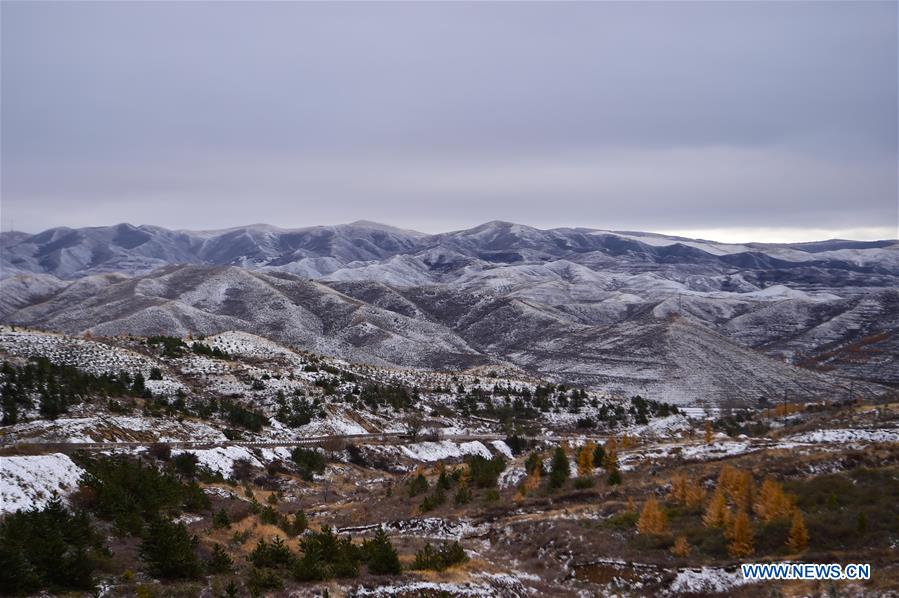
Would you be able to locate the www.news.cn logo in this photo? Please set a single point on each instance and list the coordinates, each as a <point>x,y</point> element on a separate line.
<point>806,571</point>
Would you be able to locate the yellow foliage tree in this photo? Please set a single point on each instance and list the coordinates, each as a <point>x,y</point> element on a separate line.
<point>708,432</point>
<point>741,540</point>
<point>737,485</point>
<point>686,492</point>
<point>772,501</point>
<point>610,461</point>
<point>652,518</point>
<point>694,494</point>
<point>797,541</point>
<point>532,482</point>
<point>585,460</point>
<point>631,507</point>
<point>716,511</point>
<point>678,492</point>
<point>681,547</point>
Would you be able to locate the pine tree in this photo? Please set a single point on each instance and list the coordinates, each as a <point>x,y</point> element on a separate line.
<point>614,477</point>
<point>559,470</point>
<point>716,511</point>
<point>463,493</point>
<point>168,549</point>
<point>741,541</point>
<point>585,460</point>
<point>220,561</point>
<point>221,519</point>
<point>798,538</point>
<point>652,518</point>
<point>681,547</point>
<point>382,556</point>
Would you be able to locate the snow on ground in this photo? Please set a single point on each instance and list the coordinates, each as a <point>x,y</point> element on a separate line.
<point>87,355</point>
<point>706,580</point>
<point>427,588</point>
<point>221,459</point>
<point>512,476</point>
<point>426,527</point>
<point>689,452</point>
<point>663,427</point>
<point>112,428</point>
<point>32,481</point>
<point>846,435</point>
<point>445,449</point>
<point>332,424</point>
<point>502,448</point>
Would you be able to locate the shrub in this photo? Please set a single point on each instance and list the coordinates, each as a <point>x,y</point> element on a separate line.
<point>417,485</point>
<point>221,519</point>
<point>484,472</point>
<point>185,464</point>
<point>309,462</point>
<point>441,558</point>
<point>261,580</point>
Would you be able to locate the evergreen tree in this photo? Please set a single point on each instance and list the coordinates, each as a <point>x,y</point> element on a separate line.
<point>220,561</point>
<point>49,548</point>
<point>382,556</point>
<point>614,477</point>
<point>169,550</point>
<point>221,519</point>
<point>559,470</point>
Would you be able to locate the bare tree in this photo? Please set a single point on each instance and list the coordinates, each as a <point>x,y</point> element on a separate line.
<point>414,423</point>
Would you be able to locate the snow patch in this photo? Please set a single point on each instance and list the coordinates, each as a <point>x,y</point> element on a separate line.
<point>32,481</point>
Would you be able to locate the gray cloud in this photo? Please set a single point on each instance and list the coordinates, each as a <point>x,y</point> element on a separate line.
<point>660,116</point>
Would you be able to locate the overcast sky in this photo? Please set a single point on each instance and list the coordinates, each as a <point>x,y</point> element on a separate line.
<point>734,121</point>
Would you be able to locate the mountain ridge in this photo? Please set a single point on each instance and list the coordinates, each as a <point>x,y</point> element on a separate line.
<point>575,305</point>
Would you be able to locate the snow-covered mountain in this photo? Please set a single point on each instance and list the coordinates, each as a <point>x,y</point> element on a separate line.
<point>677,319</point>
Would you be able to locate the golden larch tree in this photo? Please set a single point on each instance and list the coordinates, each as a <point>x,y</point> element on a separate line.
<point>694,495</point>
<point>797,541</point>
<point>772,502</point>
<point>741,540</point>
<point>652,518</point>
<point>681,547</point>
<point>585,460</point>
<point>678,492</point>
<point>610,461</point>
<point>708,432</point>
<point>532,482</point>
<point>716,511</point>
